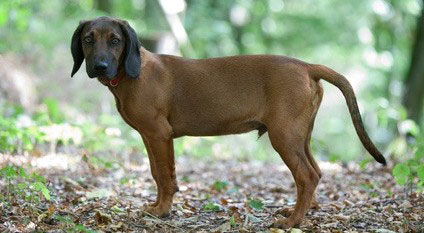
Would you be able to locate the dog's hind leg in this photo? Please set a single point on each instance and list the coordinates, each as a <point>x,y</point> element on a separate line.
<point>315,103</point>
<point>288,139</point>
<point>287,211</point>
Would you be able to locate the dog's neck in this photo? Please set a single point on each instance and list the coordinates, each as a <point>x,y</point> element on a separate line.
<point>121,76</point>
<point>125,83</point>
<point>113,82</point>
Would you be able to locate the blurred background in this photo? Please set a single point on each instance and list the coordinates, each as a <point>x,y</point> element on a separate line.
<point>377,44</point>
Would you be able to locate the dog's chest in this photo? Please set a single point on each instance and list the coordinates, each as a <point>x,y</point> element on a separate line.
<point>127,108</point>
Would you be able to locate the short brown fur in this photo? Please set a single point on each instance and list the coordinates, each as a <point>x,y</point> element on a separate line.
<point>173,97</point>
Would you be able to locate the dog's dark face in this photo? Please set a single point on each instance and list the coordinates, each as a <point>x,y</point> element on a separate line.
<point>107,45</point>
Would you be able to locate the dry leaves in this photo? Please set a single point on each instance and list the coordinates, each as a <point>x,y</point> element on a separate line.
<point>250,196</point>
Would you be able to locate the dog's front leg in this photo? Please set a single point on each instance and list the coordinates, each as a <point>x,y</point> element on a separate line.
<point>152,170</point>
<point>161,156</point>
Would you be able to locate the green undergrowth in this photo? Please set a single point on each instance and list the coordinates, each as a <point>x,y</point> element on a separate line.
<point>22,186</point>
<point>409,171</point>
<point>49,128</point>
<point>30,191</point>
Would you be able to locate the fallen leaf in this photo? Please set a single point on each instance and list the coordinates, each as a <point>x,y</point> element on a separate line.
<point>223,228</point>
<point>383,231</point>
<point>256,204</point>
<point>295,230</point>
<point>41,217</point>
<point>30,227</point>
<point>98,193</point>
<point>102,218</point>
<point>116,226</point>
<point>341,217</point>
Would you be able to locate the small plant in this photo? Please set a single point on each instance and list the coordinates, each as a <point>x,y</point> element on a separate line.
<point>220,185</point>
<point>211,206</point>
<point>54,112</point>
<point>128,180</point>
<point>256,204</point>
<point>232,222</point>
<point>18,134</point>
<point>70,226</point>
<point>412,169</point>
<point>22,186</point>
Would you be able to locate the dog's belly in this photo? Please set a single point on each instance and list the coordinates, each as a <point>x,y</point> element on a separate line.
<point>216,114</point>
<point>216,128</point>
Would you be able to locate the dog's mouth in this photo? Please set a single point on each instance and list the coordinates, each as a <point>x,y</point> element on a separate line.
<point>103,78</point>
<point>106,75</point>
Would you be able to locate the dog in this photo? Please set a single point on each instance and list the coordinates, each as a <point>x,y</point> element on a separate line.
<point>165,97</point>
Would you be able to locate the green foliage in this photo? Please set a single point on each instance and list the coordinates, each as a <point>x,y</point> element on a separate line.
<point>54,112</point>
<point>364,163</point>
<point>35,23</point>
<point>211,206</point>
<point>16,133</point>
<point>71,226</point>
<point>40,187</point>
<point>408,148</point>
<point>401,172</point>
<point>117,209</point>
<point>127,180</point>
<point>31,188</point>
<point>21,132</point>
<point>220,185</point>
<point>19,20</point>
<point>411,169</point>
<point>232,222</point>
<point>256,204</point>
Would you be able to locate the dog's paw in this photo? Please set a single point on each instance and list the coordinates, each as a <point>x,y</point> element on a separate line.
<point>286,212</point>
<point>157,210</point>
<point>152,204</point>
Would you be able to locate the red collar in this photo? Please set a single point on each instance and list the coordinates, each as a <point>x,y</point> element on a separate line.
<point>115,82</point>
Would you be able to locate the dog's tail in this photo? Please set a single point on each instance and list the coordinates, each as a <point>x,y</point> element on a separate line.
<point>322,72</point>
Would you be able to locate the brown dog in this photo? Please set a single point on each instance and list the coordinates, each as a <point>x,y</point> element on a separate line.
<point>164,97</point>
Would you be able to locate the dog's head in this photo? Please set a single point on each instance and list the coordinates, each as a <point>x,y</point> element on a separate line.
<point>107,45</point>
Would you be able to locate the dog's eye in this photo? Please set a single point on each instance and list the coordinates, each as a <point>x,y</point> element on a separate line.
<point>115,41</point>
<point>88,40</point>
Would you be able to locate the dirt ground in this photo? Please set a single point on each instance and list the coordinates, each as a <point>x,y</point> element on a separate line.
<point>215,196</point>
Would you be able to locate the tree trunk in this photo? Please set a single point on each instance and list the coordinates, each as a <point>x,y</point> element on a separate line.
<point>413,96</point>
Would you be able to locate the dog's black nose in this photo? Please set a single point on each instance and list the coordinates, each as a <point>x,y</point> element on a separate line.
<point>100,66</point>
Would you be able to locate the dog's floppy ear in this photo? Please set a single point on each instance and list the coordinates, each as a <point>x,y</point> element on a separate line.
<point>132,60</point>
<point>76,48</point>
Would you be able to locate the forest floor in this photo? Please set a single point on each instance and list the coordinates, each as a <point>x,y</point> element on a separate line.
<point>215,196</point>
